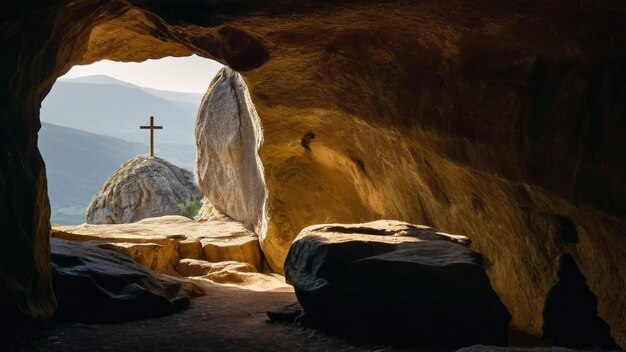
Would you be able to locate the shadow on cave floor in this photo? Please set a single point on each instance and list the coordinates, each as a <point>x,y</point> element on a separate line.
<point>226,319</point>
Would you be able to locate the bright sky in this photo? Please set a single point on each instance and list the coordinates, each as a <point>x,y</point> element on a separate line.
<point>181,74</point>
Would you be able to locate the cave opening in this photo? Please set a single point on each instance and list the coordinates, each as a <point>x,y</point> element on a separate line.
<point>90,126</point>
<point>197,206</point>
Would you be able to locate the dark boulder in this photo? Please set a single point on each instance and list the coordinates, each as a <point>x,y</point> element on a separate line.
<point>392,281</point>
<point>94,284</point>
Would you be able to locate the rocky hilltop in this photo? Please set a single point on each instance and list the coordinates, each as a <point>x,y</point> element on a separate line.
<point>142,187</point>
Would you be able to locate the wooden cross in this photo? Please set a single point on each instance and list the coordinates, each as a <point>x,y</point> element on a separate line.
<point>152,127</point>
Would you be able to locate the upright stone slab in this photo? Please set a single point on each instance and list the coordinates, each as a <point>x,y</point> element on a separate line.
<point>228,137</point>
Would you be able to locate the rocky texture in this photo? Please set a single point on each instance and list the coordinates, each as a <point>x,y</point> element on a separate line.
<point>570,313</point>
<point>397,282</point>
<point>502,121</point>
<point>222,252</point>
<point>159,243</point>
<point>206,210</point>
<point>154,256</point>
<point>237,248</point>
<point>92,284</point>
<point>228,138</point>
<point>195,253</point>
<point>231,273</point>
<point>142,187</point>
<point>194,267</point>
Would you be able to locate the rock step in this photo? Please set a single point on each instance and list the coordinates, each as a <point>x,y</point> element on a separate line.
<point>194,267</point>
<point>159,243</point>
<point>158,257</point>
<point>231,273</point>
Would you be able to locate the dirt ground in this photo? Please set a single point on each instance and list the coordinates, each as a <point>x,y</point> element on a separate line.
<point>227,319</point>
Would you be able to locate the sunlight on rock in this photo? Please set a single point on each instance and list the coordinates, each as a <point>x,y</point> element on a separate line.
<point>142,187</point>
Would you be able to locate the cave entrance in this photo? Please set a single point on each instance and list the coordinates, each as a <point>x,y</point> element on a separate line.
<point>91,118</point>
<point>99,173</point>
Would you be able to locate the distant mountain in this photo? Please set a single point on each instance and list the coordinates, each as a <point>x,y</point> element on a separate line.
<point>104,105</point>
<point>78,163</point>
<point>99,79</point>
<point>185,100</point>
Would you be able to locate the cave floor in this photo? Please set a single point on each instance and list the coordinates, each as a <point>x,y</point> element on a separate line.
<point>226,319</point>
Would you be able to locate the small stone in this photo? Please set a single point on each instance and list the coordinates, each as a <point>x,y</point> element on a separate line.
<point>287,314</point>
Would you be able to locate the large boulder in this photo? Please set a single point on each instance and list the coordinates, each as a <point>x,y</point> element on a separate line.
<point>228,137</point>
<point>394,280</point>
<point>142,187</point>
<point>94,284</point>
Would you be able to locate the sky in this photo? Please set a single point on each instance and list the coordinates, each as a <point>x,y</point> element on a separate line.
<point>180,74</point>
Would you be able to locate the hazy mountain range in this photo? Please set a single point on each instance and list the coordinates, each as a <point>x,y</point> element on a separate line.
<point>104,105</point>
<point>91,126</point>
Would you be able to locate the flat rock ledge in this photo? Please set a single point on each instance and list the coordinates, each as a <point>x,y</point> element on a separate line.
<point>394,281</point>
<point>93,284</point>
<point>224,252</point>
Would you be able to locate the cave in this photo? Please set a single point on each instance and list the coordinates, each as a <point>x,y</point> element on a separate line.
<point>503,122</point>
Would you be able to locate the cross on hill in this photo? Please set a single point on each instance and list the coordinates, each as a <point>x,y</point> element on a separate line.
<point>152,127</point>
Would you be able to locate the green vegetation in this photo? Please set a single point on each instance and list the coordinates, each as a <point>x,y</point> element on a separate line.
<point>189,208</point>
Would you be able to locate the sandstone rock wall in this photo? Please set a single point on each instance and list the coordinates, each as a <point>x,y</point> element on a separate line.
<point>482,125</point>
<point>25,282</point>
<point>228,137</point>
<point>502,121</point>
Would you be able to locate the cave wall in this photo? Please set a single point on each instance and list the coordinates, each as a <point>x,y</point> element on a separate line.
<point>504,122</point>
<point>501,123</point>
<point>25,284</point>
